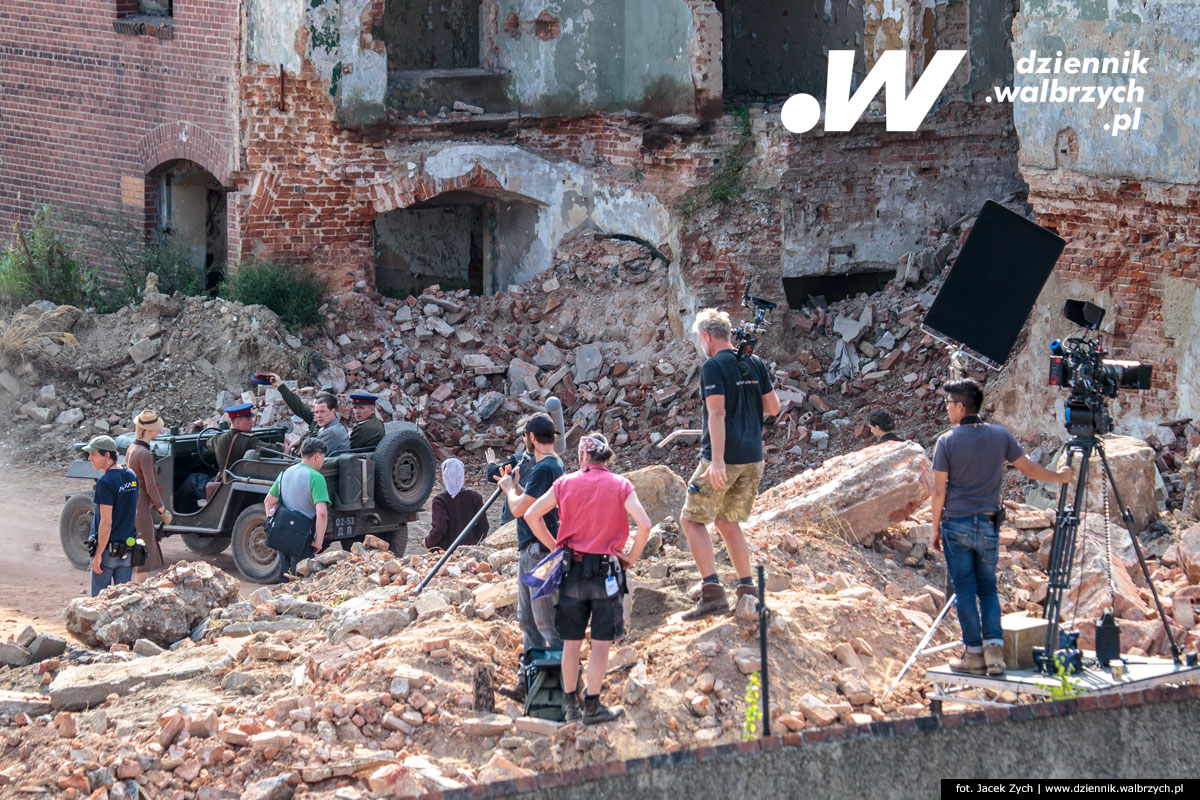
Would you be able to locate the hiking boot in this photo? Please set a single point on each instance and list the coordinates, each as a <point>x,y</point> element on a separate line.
<point>571,712</point>
<point>744,589</point>
<point>594,713</point>
<point>516,692</point>
<point>712,600</point>
<point>993,657</point>
<point>971,663</point>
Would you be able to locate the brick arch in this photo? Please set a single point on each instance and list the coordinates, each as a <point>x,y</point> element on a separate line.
<point>405,192</point>
<point>183,140</point>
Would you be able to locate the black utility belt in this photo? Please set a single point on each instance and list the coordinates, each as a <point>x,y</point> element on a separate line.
<point>586,565</point>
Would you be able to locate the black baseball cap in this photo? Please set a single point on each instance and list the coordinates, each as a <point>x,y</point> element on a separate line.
<point>539,424</point>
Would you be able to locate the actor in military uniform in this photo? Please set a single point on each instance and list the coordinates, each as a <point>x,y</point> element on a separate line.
<point>231,445</point>
<point>368,428</point>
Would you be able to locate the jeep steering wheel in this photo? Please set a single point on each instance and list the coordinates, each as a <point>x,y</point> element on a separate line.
<point>202,453</point>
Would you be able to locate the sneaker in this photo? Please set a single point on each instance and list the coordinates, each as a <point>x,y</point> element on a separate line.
<point>712,600</point>
<point>993,657</point>
<point>571,712</point>
<point>594,713</point>
<point>970,663</point>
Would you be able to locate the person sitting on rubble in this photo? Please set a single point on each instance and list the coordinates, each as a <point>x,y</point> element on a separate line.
<point>593,527</point>
<point>454,508</point>
<point>368,428</point>
<point>322,419</point>
<point>882,427</point>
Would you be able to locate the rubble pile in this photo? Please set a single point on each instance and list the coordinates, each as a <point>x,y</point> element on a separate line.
<point>346,683</point>
<point>174,354</point>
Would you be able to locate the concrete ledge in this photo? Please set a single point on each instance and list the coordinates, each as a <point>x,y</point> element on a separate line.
<point>1113,736</point>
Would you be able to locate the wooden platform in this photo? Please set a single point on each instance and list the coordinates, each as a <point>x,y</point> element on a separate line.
<point>1141,672</point>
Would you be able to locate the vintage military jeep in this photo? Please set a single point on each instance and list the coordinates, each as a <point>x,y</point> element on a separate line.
<point>375,492</point>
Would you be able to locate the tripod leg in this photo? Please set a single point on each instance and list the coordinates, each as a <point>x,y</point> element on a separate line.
<point>1062,550</point>
<point>1127,515</point>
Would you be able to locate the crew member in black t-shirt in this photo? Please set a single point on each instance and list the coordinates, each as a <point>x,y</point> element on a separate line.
<point>736,392</point>
<point>523,483</point>
<point>115,512</point>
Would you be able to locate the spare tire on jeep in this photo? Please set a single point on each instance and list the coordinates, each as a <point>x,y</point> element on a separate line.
<point>404,468</point>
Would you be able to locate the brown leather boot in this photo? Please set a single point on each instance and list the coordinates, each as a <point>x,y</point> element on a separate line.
<point>744,589</point>
<point>712,600</point>
<point>993,656</point>
<point>971,663</point>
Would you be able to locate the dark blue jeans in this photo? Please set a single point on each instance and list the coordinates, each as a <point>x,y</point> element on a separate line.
<point>110,576</point>
<point>972,548</point>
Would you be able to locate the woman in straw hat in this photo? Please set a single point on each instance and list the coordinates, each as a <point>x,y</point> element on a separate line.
<point>139,459</point>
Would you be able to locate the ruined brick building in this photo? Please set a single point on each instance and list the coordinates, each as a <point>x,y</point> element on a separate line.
<point>399,143</point>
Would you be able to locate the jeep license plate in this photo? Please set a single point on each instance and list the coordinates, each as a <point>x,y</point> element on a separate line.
<point>343,527</point>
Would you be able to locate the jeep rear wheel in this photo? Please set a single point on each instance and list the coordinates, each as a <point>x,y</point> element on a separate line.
<point>255,559</point>
<point>74,527</point>
<point>404,469</point>
<point>206,545</point>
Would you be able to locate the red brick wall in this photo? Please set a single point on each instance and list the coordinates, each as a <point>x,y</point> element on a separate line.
<point>81,105</point>
<point>1125,238</point>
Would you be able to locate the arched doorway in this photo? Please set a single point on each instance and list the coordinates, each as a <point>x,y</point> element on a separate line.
<point>462,239</point>
<point>190,215</point>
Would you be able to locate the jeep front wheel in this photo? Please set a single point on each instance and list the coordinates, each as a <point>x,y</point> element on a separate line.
<point>74,527</point>
<point>257,561</point>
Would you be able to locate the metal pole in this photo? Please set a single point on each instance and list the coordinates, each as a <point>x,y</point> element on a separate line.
<point>762,649</point>
<point>454,546</point>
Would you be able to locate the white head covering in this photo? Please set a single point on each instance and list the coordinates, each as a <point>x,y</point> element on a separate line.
<point>453,475</point>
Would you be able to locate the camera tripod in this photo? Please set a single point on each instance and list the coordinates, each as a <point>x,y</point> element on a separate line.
<point>1062,552</point>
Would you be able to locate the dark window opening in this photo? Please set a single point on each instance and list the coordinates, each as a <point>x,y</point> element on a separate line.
<point>778,48</point>
<point>811,289</point>
<point>190,219</point>
<point>433,56</point>
<point>145,18</point>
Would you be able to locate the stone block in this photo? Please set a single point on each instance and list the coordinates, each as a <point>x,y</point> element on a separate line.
<point>1021,635</point>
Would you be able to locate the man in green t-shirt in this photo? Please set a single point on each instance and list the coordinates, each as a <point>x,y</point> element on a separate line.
<point>302,488</point>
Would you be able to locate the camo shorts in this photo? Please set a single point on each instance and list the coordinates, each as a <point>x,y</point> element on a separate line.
<point>733,503</point>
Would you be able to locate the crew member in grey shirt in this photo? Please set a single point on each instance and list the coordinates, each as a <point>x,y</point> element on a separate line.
<point>968,469</point>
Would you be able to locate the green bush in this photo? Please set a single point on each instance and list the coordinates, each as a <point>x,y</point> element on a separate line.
<point>292,292</point>
<point>41,264</point>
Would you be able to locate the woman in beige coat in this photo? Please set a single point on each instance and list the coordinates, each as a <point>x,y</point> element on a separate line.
<point>139,459</point>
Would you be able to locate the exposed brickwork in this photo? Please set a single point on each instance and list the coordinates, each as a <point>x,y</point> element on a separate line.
<point>1125,237</point>
<point>84,105</point>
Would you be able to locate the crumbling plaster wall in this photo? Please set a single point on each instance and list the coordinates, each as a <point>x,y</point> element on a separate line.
<point>573,56</point>
<point>1125,204</point>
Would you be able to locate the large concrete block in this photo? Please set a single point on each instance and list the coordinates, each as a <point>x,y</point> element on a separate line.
<point>1021,635</point>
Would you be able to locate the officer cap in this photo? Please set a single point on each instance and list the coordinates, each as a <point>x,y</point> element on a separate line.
<point>239,410</point>
<point>363,399</point>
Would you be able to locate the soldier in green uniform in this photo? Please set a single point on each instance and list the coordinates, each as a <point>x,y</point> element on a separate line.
<point>368,428</point>
<point>230,445</point>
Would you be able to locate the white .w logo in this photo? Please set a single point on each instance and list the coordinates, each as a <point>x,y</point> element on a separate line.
<point>802,112</point>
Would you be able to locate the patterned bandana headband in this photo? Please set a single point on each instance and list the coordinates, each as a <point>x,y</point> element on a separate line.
<point>590,444</point>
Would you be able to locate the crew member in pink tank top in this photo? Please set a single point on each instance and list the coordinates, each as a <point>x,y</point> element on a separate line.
<point>594,510</point>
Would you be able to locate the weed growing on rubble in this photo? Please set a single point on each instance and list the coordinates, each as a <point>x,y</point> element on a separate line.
<point>727,184</point>
<point>1064,690</point>
<point>41,263</point>
<point>752,724</point>
<point>24,336</point>
<point>291,291</point>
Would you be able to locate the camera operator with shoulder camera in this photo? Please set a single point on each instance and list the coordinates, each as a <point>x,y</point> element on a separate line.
<point>524,481</point>
<point>114,529</point>
<point>968,468</point>
<point>737,392</point>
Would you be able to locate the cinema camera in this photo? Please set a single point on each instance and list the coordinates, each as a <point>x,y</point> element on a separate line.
<point>747,335</point>
<point>1079,365</point>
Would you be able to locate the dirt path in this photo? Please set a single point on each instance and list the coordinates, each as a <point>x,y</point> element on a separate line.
<point>36,579</point>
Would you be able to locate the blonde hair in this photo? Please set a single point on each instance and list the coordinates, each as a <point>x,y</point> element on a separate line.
<point>713,322</point>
